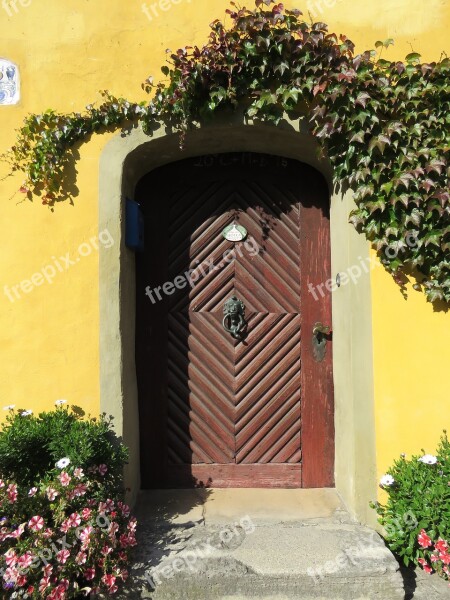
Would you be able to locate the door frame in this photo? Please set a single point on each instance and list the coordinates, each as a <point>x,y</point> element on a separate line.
<point>124,160</point>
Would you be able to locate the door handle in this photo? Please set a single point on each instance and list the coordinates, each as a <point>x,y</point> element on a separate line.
<point>319,340</point>
<point>234,317</point>
<point>319,328</point>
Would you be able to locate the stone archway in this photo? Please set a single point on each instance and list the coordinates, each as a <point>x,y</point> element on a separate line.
<point>124,161</point>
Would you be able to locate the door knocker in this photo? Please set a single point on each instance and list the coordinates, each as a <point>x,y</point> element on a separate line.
<point>234,320</point>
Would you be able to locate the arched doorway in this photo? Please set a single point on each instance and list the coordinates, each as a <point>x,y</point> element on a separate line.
<point>220,408</point>
<point>123,162</point>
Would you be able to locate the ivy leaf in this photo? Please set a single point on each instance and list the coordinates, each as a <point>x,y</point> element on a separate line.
<point>358,137</point>
<point>291,94</point>
<point>362,99</point>
<point>433,238</point>
<point>412,58</point>
<point>434,294</point>
<point>377,143</point>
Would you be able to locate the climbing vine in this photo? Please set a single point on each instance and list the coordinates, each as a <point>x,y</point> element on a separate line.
<point>383,125</point>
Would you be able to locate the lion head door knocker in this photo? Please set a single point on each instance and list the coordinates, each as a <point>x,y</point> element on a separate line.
<point>234,317</point>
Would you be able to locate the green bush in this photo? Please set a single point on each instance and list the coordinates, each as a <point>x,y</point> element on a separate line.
<point>419,499</point>
<point>30,446</point>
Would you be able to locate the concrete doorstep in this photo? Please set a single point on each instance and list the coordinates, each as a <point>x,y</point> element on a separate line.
<point>240,544</point>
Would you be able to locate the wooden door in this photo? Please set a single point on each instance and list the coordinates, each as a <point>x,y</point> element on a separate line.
<point>215,410</point>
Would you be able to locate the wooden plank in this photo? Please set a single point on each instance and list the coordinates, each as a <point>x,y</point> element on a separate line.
<point>238,476</point>
<point>317,377</point>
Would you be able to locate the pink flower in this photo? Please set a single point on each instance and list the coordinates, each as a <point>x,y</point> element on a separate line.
<point>109,581</point>
<point>65,478</point>
<point>11,574</point>
<point>74,520</point>
<point>18,532</point>
<point>89,573</point>
<point>80,558</point>
<point>422,562</point>
<point>434,558</point>
<point>445,558</point>
<point>21,580</point>
<point>102,469</point>
<point>47,533</point>
<point>427,569</point>
<point>105,507</point>
<point>85,533</point>
<point>47,570</point>
<point>51,493</point>
<point>36,523</point>
<point>10,557</point>
<point>25,560</point>
<point>65,526</point>
<point>32,492</point>
<point>44,584</point>
<point>132,524</point>
<point>124,509</point>
<point>113,529</point>
<point>12,492</point>
<point>423,539</point>
<point>86,513</point>
<point>59,593</point>
<point>78,473</point>
<point>106,550</point>
<point>127,540</point>
<point>62,556</point>
<point>2,483</point>
<point>80,489</point>
<point>441,545</point>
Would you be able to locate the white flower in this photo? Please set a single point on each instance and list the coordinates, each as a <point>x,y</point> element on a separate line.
<point>428,459</point>
<point>60,402</point>
<point>387,480</point>
<point>9,407</point>
<point>63,463</point>
<point>26,413</point>
<point>32,492</point>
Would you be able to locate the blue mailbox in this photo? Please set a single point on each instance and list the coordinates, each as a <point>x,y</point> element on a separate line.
<point>134,227</point>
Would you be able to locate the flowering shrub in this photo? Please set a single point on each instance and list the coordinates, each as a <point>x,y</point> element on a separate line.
<point>30,445</point>
<point>434,556</point>
<point>63,537</point>
<point>64,529</point>
<point>419,488</point>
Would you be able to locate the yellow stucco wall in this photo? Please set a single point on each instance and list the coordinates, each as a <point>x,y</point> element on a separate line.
<point>69,50</point>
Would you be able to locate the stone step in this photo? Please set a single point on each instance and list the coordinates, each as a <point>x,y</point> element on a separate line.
<point>239,553</point>
<point>309,561</point>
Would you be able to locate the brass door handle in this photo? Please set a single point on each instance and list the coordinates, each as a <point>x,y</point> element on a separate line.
<point>319,328</point>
